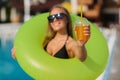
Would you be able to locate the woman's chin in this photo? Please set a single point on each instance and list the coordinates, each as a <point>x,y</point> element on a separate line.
<point>56,30</point>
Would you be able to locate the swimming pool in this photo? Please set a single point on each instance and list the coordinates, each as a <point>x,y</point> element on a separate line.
<point>9,68</point>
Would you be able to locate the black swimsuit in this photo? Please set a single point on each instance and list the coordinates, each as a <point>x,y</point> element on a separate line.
<point>62,53</point>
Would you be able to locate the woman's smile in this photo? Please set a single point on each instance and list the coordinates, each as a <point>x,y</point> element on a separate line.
<point>56,24</point>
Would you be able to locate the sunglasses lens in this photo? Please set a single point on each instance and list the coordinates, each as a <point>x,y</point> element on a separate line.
<point>57,16</point>
<point>51,18</point>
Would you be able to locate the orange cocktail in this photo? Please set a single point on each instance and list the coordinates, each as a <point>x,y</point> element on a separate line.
<point>79,29</point>
<point>79,32</point>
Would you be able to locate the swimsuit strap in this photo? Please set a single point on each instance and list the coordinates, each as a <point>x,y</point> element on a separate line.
<point>66,39</point>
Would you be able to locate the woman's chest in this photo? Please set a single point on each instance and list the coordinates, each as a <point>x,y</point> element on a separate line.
<point>54,46</point>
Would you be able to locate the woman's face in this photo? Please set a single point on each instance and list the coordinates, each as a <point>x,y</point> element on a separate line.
<point>60,23</point>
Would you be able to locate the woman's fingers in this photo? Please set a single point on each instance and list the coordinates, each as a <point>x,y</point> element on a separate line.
<point>13,52</point>
<point>87,31</point>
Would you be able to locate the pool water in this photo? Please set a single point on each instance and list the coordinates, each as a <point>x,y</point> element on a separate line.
<point>9,68</point>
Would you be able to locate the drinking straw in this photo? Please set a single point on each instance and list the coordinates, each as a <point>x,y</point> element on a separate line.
<point>81,14</point>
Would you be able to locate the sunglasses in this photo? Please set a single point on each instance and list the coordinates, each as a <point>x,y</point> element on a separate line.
<point>57,16</point>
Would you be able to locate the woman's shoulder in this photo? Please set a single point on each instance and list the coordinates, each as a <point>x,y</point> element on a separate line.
<point>69,39</point>
<point>71,42</point>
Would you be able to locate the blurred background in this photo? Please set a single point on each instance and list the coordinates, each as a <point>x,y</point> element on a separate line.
<point>105,14</point>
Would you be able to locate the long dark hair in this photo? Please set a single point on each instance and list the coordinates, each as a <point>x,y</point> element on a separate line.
<point>50,34</point>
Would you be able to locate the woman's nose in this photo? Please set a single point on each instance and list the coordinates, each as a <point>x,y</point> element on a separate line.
<point>55,19</point>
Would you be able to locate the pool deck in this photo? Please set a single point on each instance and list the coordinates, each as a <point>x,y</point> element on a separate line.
<point>115,68</point>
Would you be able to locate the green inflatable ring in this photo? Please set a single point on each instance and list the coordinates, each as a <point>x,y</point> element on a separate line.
<point>41,66</point>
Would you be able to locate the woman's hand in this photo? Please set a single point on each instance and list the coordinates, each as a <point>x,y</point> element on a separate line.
<point>13,52</point>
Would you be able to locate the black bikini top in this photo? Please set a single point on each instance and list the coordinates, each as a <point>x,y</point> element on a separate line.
<point>62,53</point>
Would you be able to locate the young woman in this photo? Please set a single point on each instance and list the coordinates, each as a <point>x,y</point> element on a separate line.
<point>59,40</point>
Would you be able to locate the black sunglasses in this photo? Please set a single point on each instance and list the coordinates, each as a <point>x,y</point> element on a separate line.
<point>57,16</point>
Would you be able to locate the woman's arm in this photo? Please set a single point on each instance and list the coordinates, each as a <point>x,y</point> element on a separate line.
<point>83,53</point>
<point>79,51</point>
<point>76,49</point>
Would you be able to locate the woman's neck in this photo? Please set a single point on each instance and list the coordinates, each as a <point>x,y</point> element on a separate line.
<point>61,35</point>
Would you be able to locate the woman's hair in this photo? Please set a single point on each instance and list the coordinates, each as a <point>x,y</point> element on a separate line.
<point>50,34</point>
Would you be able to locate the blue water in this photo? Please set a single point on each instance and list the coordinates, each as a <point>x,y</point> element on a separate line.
<point>9,68</point>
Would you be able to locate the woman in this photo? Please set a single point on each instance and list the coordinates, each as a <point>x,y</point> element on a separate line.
<point>59,41</point>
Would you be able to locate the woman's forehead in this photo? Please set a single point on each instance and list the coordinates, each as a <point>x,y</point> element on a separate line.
<point>56,10</point>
